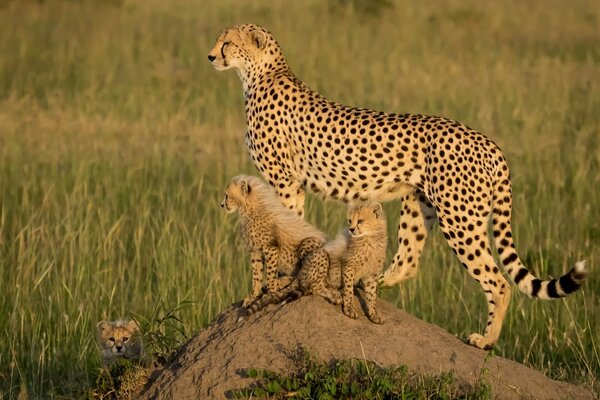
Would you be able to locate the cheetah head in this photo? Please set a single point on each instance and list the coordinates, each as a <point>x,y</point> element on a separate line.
<point>236,194</point>
<point>365,219</point>
<point>245,48</point>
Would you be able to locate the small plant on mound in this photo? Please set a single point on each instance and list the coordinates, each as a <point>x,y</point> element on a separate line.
<point>355,379</point>
<point>120,381</point>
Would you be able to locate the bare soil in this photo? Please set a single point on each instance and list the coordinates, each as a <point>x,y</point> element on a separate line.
<point>213,363</point>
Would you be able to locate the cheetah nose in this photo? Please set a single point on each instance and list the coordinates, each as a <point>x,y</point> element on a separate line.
<point>211,58</point>
<point>118,348</point>
<point>351,230</point>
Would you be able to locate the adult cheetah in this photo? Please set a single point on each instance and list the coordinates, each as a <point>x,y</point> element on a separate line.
<point>437,167</point>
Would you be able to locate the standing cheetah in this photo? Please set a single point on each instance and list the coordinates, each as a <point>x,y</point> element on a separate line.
<point>437,167</point>
<point>271,232</point>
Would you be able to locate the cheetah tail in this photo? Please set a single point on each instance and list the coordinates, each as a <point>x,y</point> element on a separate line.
<point>525,280</point>
<point>290,292</point>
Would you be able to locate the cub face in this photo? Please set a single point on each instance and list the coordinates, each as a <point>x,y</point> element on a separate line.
<point>119,339</point>
<point>238,47</point>
<point>365,219</point>
<point>236,194</point>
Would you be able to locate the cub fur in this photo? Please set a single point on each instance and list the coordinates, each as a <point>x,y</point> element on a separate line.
<point>271,232</point>
<point>119,339</point>
<point>356,254</point>
<point>364,257</point>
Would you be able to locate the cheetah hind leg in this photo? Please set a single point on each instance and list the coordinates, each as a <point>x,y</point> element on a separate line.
<point>417,217</point>
<point>314,273</point>
<point>477,259</point>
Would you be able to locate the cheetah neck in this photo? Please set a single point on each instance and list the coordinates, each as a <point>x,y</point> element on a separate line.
<point>369,242</point>
<point>253,78</point>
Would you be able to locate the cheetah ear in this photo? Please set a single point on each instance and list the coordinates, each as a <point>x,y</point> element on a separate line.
<point>259,38</point>
<point>133,326</point>
<point>377,209</point>
<point>244,186</point>
<point>101,325</point>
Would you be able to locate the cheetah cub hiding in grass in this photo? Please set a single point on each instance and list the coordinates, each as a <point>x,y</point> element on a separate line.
<point>270,231</point>
<point>119,340</point>
<point>355,254</point>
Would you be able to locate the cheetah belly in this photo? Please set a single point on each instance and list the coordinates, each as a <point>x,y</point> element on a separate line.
<point>340,188</point>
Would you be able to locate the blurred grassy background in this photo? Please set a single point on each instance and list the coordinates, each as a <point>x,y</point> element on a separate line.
<point>117,138</point>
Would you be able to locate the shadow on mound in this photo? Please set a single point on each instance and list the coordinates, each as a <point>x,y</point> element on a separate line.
<point>214,362</point>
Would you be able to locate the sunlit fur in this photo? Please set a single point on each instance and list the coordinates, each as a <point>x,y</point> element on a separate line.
<point>119,340</point>
<point>270,231</point>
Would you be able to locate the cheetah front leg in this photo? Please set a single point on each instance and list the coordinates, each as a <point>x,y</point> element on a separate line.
<point>256,262</point>
<point>416,220</point>
<point>272,263</point>
<point>370,297</point>
<point>348,291</point>
<point>291,193</point>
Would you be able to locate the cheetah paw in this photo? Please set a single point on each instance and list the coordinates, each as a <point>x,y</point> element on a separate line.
<point>350,311</point>
<point>247,302</point>
<point>335,298</point>
<point>479,341</point>
<point>376,318</point>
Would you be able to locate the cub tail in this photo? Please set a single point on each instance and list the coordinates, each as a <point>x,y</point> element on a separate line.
<point>290,292</point>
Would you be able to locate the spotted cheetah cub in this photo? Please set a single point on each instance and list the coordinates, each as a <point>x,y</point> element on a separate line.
<point>356,254</point>
<point>364,257</point>
<point>317,275</point>
<point>270,231</point>
<point>119,340</point>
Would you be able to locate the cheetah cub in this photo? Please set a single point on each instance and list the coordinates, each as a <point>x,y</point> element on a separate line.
<point>270,231</point>
<point>357,253</point>
<point>319,274</point>
<point>364,257</point>
<point>119,340</point>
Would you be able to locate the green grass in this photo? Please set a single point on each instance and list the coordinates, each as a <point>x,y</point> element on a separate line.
<point>117,138</point>
<point>354,379</point>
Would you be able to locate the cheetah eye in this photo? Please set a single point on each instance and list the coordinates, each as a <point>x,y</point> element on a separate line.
<point>125,338</point>
<point>349,222</point>
<point>360,221</point>
<point>112,339</point>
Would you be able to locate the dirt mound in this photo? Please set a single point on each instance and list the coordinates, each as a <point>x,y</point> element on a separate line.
<point>211,364</point>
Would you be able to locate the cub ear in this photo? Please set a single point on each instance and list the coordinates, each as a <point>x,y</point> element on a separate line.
<point>100,326</point>
<point>133,326</point>
<point>377,209</point>
<point>259,38</point>
<point>244,186</point>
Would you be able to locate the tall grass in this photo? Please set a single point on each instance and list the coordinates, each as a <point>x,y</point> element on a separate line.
<point>117,138</point>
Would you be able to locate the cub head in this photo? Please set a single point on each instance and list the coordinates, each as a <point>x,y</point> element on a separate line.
<point>118,337</point>
<point>365,219</point>
<point>236,194</point>
<point>242,47</point>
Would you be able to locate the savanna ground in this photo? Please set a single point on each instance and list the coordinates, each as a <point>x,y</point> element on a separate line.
<point>117,138</point>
